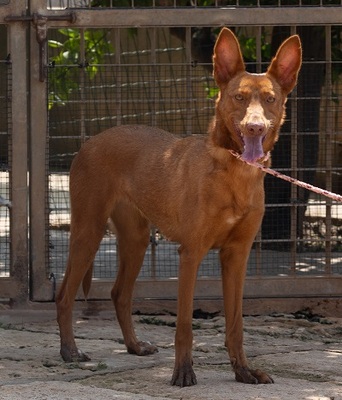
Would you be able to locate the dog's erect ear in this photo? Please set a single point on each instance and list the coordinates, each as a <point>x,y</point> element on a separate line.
<point>227,57</point>
<point>286,63</point>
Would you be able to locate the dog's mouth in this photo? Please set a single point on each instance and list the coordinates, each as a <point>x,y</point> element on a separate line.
<point>253,150</point>
<point>252,146</point>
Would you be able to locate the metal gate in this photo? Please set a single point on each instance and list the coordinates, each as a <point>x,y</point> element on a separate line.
<point>91,68</point>
<point>14,135</point>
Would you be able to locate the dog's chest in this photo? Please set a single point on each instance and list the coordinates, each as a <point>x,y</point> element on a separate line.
<point>241,205</point>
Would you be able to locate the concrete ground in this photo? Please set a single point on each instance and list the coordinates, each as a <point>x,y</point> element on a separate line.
<point>302,352</point>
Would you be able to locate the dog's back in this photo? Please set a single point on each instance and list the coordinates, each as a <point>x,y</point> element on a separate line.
<point>175,183</point>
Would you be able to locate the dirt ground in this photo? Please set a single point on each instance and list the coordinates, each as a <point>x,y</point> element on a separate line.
<point>302,352</point>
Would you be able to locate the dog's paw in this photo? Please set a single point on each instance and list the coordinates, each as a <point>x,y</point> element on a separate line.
<point>142,349</point>
<point>184,376</point>
<point>246,375</point>
<point>73,355</point>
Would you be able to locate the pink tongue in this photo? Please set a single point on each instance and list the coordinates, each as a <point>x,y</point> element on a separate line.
<point>253,148</point>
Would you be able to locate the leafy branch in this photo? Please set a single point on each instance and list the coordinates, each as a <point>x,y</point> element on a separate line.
<point>63,80</point>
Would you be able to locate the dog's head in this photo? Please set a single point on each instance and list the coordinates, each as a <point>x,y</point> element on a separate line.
<point>252,106</point>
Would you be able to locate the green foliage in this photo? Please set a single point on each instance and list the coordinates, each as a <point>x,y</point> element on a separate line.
<point>66,56</point>
<point>212,92</point>
<point>249,48</point>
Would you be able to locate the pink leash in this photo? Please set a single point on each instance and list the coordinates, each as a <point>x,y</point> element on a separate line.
<point>304,185</point>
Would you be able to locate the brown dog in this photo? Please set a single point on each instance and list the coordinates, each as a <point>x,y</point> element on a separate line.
<point>193,190</point>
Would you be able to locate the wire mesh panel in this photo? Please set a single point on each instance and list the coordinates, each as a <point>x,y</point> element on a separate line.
<point>61,4</point>
<point>100,78</point>
<point>5,160</point>
<point>141,76</point>
<point>297,221</point>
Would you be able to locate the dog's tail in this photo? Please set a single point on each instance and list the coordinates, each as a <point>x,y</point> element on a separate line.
<point>86,283</point>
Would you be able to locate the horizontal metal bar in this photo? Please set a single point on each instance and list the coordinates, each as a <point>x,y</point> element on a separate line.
<point>120,18</point>
<point>263,287</point>
<point>68,17</point>
<point>18,18</point>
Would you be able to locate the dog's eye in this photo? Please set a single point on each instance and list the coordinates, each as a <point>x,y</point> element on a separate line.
<point>239,97</point>
<point>270,99</point>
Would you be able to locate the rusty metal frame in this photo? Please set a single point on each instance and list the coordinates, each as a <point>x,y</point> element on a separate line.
<point>206,288</point>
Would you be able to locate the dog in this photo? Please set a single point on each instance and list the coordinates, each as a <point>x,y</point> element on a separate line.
<point>193,189</point>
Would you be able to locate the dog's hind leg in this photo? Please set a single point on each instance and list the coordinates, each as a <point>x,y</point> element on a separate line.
<point>133,235</point>
<point>85,237</point>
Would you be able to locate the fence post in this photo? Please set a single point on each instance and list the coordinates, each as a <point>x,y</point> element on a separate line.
<point>41,287</point>
<point>19,129</point>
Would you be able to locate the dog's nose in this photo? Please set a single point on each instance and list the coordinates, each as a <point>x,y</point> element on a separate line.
<point>255,129</point>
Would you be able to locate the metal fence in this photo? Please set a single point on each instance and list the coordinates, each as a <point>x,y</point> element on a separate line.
<point>5,165</point>
<point>150,63</point>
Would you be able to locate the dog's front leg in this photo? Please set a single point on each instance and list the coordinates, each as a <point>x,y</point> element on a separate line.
<point>183,374</point>
<point>234,261</point>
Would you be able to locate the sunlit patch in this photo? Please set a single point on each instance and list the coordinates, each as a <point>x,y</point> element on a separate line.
<point>116,351</point>
<point>303,267</point>
<point>81,321</point>
<point>231,220</point>
<point>334,354</point>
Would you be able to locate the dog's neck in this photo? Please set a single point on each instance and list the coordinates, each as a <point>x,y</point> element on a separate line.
<point>220,136</point>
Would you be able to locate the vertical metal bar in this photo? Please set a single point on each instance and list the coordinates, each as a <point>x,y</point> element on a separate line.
<point>81,86</point>
<point>294,170</point>
<point>118,77</point>
<point>258,253</point>
<point>118,80</point>
<point>258,50</point>
<point>153,122</point>
<point>41,288</point>
<point>19,124</point>
<point>328,147</point>
<point>258,239</point>
<point>153,61</point>
<point>188,81</point>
